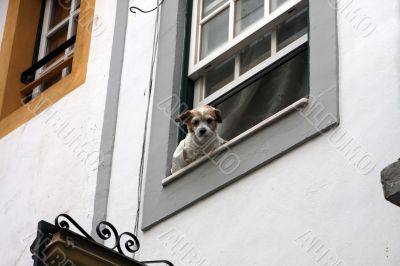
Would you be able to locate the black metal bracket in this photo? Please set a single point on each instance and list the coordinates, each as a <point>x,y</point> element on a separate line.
<point>104,230</point>
<point>28,75</point>
<point>157,262</point>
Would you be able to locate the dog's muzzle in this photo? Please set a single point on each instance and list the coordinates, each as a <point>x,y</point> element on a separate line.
<point>202,131</point>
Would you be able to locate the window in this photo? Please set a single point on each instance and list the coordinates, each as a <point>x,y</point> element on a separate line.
<point>44,53</point>
<point>242,58</point>
<point>55,38</point>
<point>265,96</point>
<point>57,27</point>
<point>265,63</point>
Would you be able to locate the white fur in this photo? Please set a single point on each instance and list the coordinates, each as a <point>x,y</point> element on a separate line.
<point>190,149</point>
<point>202,138</point>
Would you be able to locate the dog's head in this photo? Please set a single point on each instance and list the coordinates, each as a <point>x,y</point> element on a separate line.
<point>202,122</point>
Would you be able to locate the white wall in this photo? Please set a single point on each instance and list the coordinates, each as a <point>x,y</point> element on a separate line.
<point>133,101</point>
<point>312,193</point>
<point>3,13</point>
<point>40,173</point>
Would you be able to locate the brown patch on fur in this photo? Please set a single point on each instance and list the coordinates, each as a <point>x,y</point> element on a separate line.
<point>189,116</point>
<point>184,116</point>
<point>195,114</point>
<point>215,113</point>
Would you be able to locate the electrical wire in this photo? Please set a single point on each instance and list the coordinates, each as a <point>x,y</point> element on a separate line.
<point>142,161</point>
<point>134,8</point>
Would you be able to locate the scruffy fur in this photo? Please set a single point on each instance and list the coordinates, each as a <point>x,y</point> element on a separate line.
<point>202,135</point>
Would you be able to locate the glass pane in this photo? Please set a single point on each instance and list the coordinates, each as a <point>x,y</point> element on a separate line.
<point>219,76</point>
<point>78,4</point>
<point>55,41</point>
<point>51,81</point>
<point>265,96</point>
<point>75,25</point>
<point>210,5</point>
<point>247,12</point>
<point>57,77</point>
<point>214,33</point>
<point>276,3</point>
<point>61,10</point>
<point>292,29</point>
<point>255,53</point>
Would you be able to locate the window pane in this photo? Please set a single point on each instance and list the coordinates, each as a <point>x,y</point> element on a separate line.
<point>57,77</point>
<point>219,76</point>
<point>210,5</point>
<point>55,41</point>
<point>276,3</point>
<point>292,29</point>
<point>214,33</point>
<point>247,12</point>
<point>265,96</point>
<point>255,53</point>
<point>78,4</point>
<point>53,80</point>
<point>75,25</point>
<point>60,11</point>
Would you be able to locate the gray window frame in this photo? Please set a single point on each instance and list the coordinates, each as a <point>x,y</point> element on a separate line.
<point>294,129</point>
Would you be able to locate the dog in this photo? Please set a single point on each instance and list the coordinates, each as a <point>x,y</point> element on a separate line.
<point>202,136</point>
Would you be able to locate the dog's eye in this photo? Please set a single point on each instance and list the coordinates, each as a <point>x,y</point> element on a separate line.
<point>196,122</point>
<point>209,120</point>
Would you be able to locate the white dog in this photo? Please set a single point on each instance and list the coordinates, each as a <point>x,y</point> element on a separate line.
<point>202,136</point>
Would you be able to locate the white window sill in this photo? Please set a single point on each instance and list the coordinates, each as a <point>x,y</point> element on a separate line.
<point>291,108</point>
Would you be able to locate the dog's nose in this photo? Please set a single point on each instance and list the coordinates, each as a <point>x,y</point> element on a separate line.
<point>202,131</point>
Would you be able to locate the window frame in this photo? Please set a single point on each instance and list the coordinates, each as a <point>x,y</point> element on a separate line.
<point>20,13</point>
<point>235,44</point>
<point>47,32</point>
<point>266,24</point>
<point>263,145</point>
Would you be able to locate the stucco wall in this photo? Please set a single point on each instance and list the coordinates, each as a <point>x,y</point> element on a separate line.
<point>309,205</point>
<point>43,172</point>
<point>314,205</point>
<point>3,13</point>
<point>122,201</point>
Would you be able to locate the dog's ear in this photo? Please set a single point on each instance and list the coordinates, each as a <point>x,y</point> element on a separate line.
<point>218,115</point>
<point>184,117</point>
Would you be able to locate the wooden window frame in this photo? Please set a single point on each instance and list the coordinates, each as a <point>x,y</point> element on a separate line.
<point>16,55</point>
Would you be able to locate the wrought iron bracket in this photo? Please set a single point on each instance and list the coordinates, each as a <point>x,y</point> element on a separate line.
<point>60,236</point>
<point>105,231</point>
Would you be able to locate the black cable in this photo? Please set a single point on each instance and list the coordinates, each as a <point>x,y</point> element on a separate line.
<point>134,8</point>
<point>142,160</point>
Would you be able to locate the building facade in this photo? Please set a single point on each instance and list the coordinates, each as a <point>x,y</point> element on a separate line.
<point>91,131</point>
